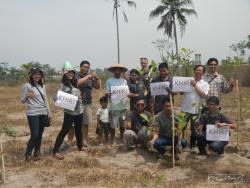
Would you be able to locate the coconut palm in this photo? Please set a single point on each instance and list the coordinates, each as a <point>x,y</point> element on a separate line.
<point>117,4</point>
<point>172,11</point>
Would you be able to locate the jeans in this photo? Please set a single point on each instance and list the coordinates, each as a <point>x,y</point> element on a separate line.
<point>162,142</point>
<point>36,124</point>
<point>216,146</point>
<point>67,124</point>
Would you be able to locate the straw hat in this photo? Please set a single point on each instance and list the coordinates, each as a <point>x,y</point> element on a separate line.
<point>111,69</point>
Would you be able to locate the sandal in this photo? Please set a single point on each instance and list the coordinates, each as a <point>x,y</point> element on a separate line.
<point>58,156</point>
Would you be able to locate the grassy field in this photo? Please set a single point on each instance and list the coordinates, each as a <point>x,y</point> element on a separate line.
<point>112,166</point>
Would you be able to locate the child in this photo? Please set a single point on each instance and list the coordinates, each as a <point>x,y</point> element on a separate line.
<point>103,125</point>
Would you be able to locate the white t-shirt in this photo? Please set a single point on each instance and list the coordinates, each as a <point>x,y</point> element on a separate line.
<point>192,101</point>
<point>103,114</point>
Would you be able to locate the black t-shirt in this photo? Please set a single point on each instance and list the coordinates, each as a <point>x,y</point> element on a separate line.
<point>136,88</point>
<point>138,120</point>
<point>86,89</point>
<point>206,119</point>
<point>159,98</point>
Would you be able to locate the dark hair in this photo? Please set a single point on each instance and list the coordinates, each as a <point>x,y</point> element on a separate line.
<point>103,99</point>
<point>69,83</point>
<point>32,71</point>
<point>197,66</point>
<point>163,65</point>
<point>134,71</point>
<point>211,60</point>
<point>140,98</point>
<point>213,99</point>
<point>165,99</point>
<point>84,62</point>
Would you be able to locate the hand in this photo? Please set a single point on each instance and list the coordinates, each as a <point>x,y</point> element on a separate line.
<point>220,125</point>
<point>231,82</point>
<point>108,94</point>
<point>30,94</point>
<point>193,83</point>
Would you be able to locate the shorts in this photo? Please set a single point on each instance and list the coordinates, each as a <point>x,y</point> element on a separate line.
<point>117,119</point>
<point>103,128</point>
<point>87,115</point>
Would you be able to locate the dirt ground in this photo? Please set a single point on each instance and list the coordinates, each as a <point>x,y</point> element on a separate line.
<point>112,165</point>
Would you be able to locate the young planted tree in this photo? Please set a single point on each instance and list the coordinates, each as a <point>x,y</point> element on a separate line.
<point>172,11</point>
<point>117,4</point>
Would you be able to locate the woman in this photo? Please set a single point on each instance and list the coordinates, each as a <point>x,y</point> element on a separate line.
<point>35,98</point>
<point>69,85</point>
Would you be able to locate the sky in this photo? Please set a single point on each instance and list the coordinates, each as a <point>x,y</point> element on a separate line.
<point>53,31</point>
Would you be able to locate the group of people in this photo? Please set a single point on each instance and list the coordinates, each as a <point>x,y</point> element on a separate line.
<point>142,119</point>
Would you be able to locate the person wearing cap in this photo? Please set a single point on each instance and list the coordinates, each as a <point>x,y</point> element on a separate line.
<point>213,117</point>
<point>136,88</point>
<point>117,113</point>
<point>69,85</point>
<point>34,96</point>
<point>86,82</point>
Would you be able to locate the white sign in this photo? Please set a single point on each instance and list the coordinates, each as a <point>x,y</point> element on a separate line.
<point>213,133</point>
<point>119,98</point>
<point>182,84</point>
<point>159,88</point>
<point>65,100</point>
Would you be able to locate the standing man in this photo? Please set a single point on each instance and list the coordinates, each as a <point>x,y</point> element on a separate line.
<point>192,101</point>
<point>218,83</point>
<point>86,82</point>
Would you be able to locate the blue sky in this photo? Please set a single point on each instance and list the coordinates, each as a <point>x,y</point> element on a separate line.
<point>52,31</point>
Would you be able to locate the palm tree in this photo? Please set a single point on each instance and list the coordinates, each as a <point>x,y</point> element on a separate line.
<point>117,4</point>
<point>175,10</point>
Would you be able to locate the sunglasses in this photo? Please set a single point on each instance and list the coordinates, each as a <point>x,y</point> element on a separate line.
<point>139,104</point>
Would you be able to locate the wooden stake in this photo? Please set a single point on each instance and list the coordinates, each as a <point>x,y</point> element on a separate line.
<point>238,111</point>
<point>2,158</point>
<point>173,123</point>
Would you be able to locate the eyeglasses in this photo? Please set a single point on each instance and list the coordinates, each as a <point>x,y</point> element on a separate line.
<point>140,104</point>
<point>212,65</point>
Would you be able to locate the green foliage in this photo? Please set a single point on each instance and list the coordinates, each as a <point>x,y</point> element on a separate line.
<point>10,131</point>
<point>149,182</point>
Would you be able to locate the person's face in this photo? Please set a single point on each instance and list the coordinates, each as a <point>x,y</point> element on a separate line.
<point>84,68</point>
<point>198,72</point>
<point>134,76</point>
<point>164,72</point>
<point>117,72</point>
<point>36,76</point>
<point>212,107</point>
<point>104,104</point>
<point>167,107</point>
<point>212,66</point>
<point>140,105</point>
<point>70,75</point>
<point>144,63</point>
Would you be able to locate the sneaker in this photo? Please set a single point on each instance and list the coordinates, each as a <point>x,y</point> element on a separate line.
<point>28,158</point>
<point>58,156</point>
<point>201,156</point>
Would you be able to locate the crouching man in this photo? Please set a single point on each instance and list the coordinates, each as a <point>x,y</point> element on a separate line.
<point>163,131</point>
<point>216,118</point>
<point>137,126</point>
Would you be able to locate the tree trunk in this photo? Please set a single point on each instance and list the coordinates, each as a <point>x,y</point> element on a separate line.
<point>176,47</point>
<point>117,30</point>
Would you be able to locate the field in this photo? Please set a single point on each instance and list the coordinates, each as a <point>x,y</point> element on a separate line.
<point>112,166</point>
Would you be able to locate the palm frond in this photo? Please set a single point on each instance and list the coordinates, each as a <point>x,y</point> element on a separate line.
<point>188,12</point>
<point>131,4</point>
<point>158,11</point>
<point>125,16</point>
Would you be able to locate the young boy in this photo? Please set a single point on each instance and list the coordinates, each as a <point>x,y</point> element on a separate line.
<point>103,125</point>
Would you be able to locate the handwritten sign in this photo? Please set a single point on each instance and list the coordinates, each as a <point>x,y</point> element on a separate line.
<point>213,133</point>
<point>119,98</point>
<point>65,100</point>
<point>182,84</point>
<point>159,88</point>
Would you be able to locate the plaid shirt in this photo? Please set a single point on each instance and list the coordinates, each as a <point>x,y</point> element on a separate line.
<point>217,85</point>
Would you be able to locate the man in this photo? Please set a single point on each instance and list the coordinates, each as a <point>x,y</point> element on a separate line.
<point>213,117</point>
<point>217,82</point>
<point>163,77</point>
<point>163,134</point>
<point>192,102</point>
<point>86,82</point>
<point>118,109</point>
<point>137,125</point>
